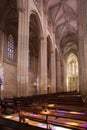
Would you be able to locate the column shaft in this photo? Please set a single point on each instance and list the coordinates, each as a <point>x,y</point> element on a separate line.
<point>43,66</point>
<point>23,50</point>
<point>58,76</point>
<point>1,45</point>
<point>53,72</point>
<point>82,7</point>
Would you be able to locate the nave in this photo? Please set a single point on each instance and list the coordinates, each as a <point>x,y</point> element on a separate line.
<point>43,64</point>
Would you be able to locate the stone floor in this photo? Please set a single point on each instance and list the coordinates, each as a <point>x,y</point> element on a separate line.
<point>16,118</point>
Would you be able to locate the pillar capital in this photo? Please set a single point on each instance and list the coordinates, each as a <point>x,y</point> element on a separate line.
<point>22,5</point>
<point>42,37</point>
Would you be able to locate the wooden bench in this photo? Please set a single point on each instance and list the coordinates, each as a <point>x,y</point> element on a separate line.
<point>67,100</point>
<point>49,98</point>
<point>8,103</point>
<point>22,101</point>
<point>54,98</point>
<point>53,117</point>
<point>6,124</point>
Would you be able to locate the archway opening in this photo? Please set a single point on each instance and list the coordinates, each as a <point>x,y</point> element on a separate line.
<point>72,79</point>
<point>69,49</point>
<point>34,54</point>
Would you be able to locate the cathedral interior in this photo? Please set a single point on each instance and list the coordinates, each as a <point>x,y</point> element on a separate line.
<point>43,62</point>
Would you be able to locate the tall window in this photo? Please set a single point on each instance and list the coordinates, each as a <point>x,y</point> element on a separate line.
<point>72,72</point>
<point>10,47</point>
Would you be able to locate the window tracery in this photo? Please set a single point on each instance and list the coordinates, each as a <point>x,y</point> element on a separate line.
<point>72,72</point>
<point>10,47</point>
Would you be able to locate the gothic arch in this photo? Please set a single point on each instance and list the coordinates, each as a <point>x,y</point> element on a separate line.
<point>69,42</point>
<point>68,46</point>
<point>72,78</point>
<point>36,15</point>
<point>35,35</point>
<point>35,30</point>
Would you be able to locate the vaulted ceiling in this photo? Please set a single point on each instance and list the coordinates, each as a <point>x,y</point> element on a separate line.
<point>63,14</point>
<point>8,15</point>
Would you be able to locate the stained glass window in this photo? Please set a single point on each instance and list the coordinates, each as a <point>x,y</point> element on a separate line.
<point>10,47</point>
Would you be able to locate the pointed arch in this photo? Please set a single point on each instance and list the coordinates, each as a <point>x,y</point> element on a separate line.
<point>39,23</point>
<point>72,73</point>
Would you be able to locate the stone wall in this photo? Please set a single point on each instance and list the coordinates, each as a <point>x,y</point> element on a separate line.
<point>32,74</point>
<point>10,80</point>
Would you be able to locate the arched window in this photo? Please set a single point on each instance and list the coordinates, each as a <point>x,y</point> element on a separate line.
<point>10,47</point>
<point>72,72</point>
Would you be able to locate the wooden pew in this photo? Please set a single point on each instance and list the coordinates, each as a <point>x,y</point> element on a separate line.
<point>57,117</point>
<point>56,113</point>
<point>7,103</point>
<point>59,98</point>
<point>49,98</point>
<point>6,124</point>
<point>64,98</point>
<point>67,100</point>
<point>22,101</point>
<point>70,108</point>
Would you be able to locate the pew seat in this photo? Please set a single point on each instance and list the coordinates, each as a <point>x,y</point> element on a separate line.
<point>6,124</point>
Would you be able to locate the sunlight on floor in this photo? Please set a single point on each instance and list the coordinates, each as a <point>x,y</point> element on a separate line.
<point>34,123</point>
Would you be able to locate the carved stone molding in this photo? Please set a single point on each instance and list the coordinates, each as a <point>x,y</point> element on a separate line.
<point>21,5</point>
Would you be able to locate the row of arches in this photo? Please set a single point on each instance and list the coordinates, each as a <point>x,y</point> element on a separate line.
<point>11,48</point>
<point>66,79</point>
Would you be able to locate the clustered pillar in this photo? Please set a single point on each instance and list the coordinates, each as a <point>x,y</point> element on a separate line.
<point>23,46</point>
<point>43,65</point>
<point>82,5</point>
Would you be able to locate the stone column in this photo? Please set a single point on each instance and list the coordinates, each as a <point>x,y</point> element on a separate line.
<point>53,72</point>
<point>23,47</point>
<point>82,15</point>
<point>2,41</point>
<point>43,66</point>
<point>58,71</point>
<point>1,45</point>
<point>65,75</point>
